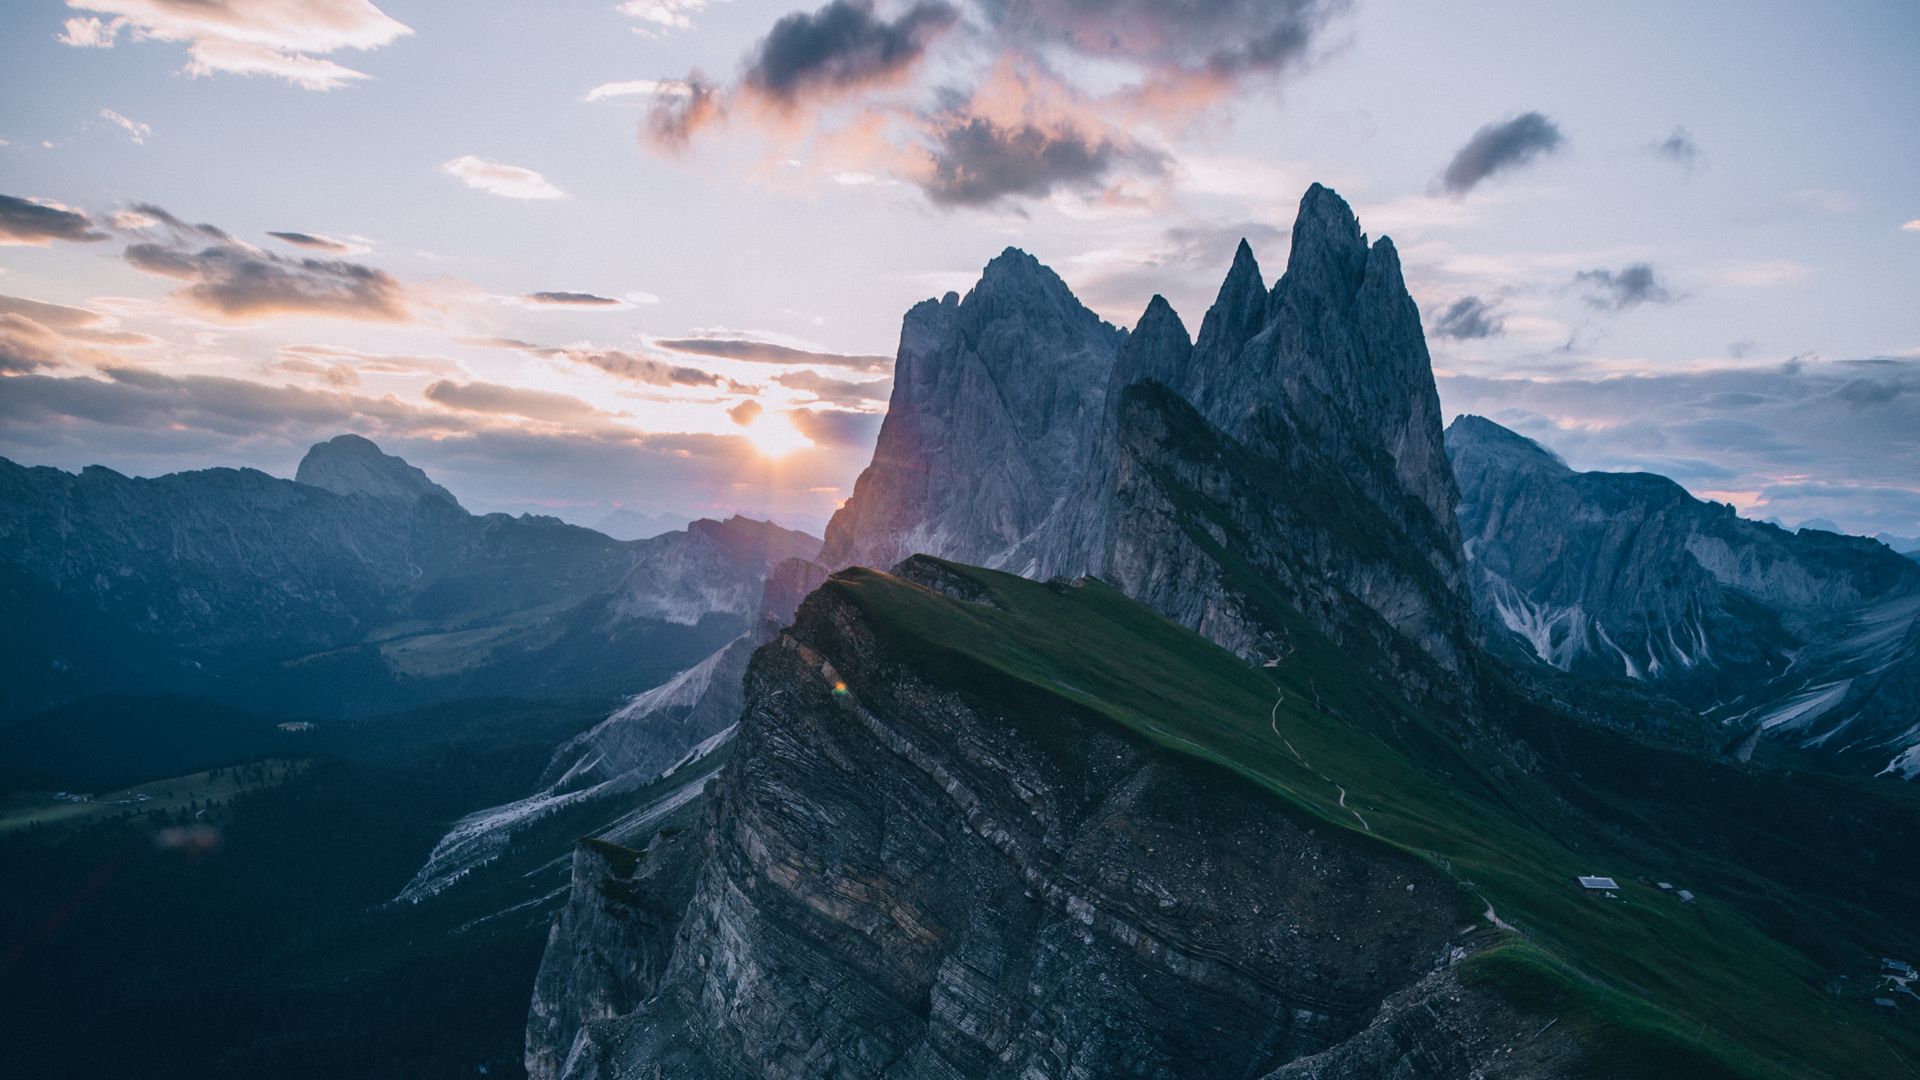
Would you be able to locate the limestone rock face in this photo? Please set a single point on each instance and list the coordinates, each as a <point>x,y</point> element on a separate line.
<point>1805,639</point>
<point>996,399</point>
<point>1292,451</point>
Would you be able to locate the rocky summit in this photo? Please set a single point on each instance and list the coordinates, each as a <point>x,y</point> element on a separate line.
<point>1289,458</point>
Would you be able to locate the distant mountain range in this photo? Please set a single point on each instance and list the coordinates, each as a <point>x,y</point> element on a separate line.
<point>1807,639</point>
<point>360,585</point>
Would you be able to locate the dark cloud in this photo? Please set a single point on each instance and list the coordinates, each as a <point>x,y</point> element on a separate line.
<point>23,221</point>
<point>837,391</point>
<point>768,353</point>
<point>316,242</point>
<point>674,119</point>
<point>1613,290</point>
<point>745,412</point>
<point>838,427</point>
<point>619,363</point>
<point>178,226</point>
<point>572,299</point>
<point>1499,147</point>
<point>978,162</point>
<point>1467,318</point>
<point>486,397</point>
<point>1793,440</point>
<point>1217,36</point>
<point>240,281</point>
<point>1678,147</point>
<point>841,47</point>
<point>230,278</point>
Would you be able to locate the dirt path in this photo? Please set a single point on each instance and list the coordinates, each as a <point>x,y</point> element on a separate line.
<point>1273,721</point>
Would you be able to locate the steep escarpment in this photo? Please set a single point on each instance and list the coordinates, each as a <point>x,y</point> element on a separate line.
<point>1807,639</point>
<point>1294,446</point>
<point>997,884</point>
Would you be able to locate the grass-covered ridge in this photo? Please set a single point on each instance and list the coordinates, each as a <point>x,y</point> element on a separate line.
<point>1682,990</point>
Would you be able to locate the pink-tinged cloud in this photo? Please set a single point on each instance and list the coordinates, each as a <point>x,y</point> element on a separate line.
<point>277,38</point>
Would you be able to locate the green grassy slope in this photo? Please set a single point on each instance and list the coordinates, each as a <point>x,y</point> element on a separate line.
<point>1667,989</point>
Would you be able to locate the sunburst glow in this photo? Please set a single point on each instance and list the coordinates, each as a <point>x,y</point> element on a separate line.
<point>774,436</point>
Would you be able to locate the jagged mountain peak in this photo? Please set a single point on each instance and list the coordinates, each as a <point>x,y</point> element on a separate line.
<point>354,465</point>
<point>1240,308</point>
<point>1329,253</point>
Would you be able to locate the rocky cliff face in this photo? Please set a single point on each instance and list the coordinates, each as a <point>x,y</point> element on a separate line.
<point>1809,639</point>
<point>901,879</point>
<point>367,589</point>
<point>1292,452</point>
<point>995,403</point>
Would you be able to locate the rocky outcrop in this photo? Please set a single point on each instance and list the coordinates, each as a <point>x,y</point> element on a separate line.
<point>900,879</point>
<point>1291,455</point>
<point>610,944</point>
<point>362,591</point>
<point>1807,639</point>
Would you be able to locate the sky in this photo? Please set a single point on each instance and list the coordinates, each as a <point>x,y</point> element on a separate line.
<point>651,256</point>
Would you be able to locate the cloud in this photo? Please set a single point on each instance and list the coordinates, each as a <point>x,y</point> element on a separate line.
<point>745,412</point>
<point>137,132</point>
<point>571,299</point>
<point>317,242</point>
<point>231,279</point>
<point>1912,226</point>
<point>1193,53</point>
<point>1800,439</point>
<point>1467,318</point>
<point>659,16</point>
<point>674,119</point>
<point>768,353</point>
<point>841,47</point>
<point>486,397</point>
<point>1614,290</point>
<point>1498,148</point>
<point>838,427</point>
<point>75,324</point>
<point>1678,147</point>
<point>27,345</point>
<point>278,38</point>
<point>90,33</point>
<point>837,391</point>
<point>977,162</point>
<point>494,178</point>
<point>1039,97</point>
<point>363,362</point>
<point>619,363</point>
<point>649,88</point>
<point>23,221</point>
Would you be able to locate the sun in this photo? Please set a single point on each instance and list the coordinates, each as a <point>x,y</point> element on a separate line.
<point>774,436</point>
